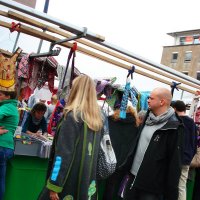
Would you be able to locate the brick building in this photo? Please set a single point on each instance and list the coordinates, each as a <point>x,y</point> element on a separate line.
<point>184,55</point>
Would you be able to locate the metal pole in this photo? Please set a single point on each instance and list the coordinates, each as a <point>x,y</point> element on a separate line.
<point>16,40</point>
<point>67,26</point>
<point>93,37</point>
<point>46,6</point>
<point>156,65</point>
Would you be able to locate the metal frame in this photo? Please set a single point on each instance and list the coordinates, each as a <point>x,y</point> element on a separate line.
<point>67,26</point>
<point>56,52</point>
<point>93,37</point>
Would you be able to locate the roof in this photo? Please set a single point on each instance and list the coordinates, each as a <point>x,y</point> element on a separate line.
<point>188,32</point>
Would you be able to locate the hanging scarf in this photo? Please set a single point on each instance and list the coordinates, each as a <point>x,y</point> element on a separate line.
<point>153,120</point>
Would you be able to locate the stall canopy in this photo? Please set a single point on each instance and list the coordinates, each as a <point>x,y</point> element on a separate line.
<point>90,44</point>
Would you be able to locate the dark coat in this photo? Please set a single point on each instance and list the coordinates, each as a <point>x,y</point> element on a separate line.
<point>190,140</point>
<point>73,170</point>
<point>122,134</point>
<point>160,169</point>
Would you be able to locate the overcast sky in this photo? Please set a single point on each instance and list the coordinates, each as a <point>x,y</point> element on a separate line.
<point>138,26</point>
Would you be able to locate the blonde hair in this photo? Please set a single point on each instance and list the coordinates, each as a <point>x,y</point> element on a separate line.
<point>83,101</point>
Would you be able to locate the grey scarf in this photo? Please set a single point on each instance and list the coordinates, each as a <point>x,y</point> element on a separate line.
<point>152,119</point>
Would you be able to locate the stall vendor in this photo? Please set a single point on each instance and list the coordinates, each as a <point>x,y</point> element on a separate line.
<point>35,120</point>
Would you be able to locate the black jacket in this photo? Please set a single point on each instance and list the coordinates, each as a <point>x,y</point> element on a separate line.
<point>161,166</point>
<point>122,134</point>
<point>190,141</point>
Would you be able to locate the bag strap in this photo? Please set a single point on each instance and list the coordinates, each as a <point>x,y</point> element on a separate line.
<point>71,54</point>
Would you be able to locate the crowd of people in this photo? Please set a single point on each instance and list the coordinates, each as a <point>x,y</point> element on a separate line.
<point>153,148</point>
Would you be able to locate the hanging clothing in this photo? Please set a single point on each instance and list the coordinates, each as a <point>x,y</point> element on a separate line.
<point>33,73</point>
<point>8,71</point>
<point>143,100</point>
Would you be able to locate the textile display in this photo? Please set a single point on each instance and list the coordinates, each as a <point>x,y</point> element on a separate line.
<point>8,71</point>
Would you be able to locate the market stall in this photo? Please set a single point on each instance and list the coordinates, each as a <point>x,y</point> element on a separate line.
<point>27,171</point>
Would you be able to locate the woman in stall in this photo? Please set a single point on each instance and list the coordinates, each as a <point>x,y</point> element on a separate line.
<point>35,120</point>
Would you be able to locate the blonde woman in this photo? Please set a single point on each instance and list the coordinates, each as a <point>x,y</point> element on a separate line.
<point>72,173</point>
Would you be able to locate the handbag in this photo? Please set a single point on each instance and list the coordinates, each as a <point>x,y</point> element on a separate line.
<point>196,159</point>
<point>106,163</point>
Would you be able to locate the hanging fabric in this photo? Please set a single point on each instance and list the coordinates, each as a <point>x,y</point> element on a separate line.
<point>174,86</point>
<point>126,94</point>
<point>33,73</point>
<point>66,81</point>
<point>8,71</point>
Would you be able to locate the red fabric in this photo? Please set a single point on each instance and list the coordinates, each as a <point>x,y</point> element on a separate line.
<point>74,47</point>
<point>14,27</point>
<point>49,128</point>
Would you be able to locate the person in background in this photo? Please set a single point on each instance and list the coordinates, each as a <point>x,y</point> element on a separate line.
<point>157,152</point>
<point>190,145</point>
<point>50,108</point>
<point>9,119</point>
<point>35,120</point>
<point>141,116</point>
<point>74,154</point>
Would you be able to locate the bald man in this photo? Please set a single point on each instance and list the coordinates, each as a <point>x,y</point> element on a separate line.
<point>156,167</point>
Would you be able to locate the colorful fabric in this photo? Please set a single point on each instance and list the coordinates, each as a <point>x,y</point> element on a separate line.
<point>143,100</point>
<point>55,117</point>
<point>33,73</point>
<point>125,100</point>
<point>23,67</point>
<point>134,100</point>
<point>8,71</point>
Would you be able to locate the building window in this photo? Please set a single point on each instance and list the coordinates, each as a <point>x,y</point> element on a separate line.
<point>198,76</point>
<point>188,56</point>
<point>196,39</point>
<point>182,40</point>
<point>174,57</point>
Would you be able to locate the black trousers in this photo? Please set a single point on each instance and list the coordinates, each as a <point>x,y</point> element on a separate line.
<point>132,193</point>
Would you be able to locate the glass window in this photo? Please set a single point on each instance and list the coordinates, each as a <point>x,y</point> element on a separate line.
<point>188,56</point>
<point>198,76</point>
<point>182,40</point>
<point>174,57</point>
<point>196,39</point>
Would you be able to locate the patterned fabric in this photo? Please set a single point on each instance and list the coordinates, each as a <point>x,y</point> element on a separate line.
<point>23,67</point>
<point>33,73</point>
<point>143,100</point>
<point>125,100</point>
<point>134,100</point>
<point>8,71</point>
